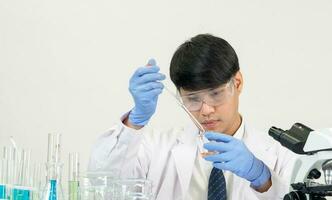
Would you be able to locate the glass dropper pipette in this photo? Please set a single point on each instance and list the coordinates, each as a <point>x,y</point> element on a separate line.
<point>201,129</point>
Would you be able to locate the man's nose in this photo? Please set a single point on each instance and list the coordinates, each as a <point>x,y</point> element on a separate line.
<point>207,109</point>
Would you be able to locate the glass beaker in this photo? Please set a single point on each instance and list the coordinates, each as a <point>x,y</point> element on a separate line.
<point>132,189</point>
<point>97,185</point>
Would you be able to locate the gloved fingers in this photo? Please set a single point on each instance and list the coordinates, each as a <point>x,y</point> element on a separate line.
<point>214,158</point>
<point>223,166</point>
<point>150,86</point>
<point>154,92</point>
<point>152,77</point>
<point>152,62</point>
<point>219,137</point>
<point>145,70</point>
<point>220,157</point>
<point>218,146</point>
<point>146,102</point>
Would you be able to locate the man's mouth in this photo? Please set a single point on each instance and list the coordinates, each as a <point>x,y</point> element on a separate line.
<point>210,124</point>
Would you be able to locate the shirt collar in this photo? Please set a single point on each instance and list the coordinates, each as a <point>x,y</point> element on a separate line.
<point>239,134</point>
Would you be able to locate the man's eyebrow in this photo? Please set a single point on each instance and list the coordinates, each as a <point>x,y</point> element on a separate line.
<point>205,90</point>
<point>194,92</point>
<point>191,93</point>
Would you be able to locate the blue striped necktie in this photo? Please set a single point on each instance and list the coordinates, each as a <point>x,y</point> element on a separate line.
<point>217,185</point>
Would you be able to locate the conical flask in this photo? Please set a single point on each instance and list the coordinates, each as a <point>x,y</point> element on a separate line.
<point>53,188</point>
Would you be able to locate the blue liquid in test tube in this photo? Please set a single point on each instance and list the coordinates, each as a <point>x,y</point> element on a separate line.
<point>53,193</point>
<point>21,194</point>
<point>2,192</point>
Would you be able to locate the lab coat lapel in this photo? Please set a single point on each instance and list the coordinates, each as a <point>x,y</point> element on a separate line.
<point>184,154</point>
<point>262,147</point>
<point>269,156</point>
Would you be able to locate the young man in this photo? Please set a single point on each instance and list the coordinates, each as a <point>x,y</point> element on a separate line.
<point>242,164</point>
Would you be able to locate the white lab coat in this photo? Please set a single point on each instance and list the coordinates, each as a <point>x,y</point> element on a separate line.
<point>167,158</point>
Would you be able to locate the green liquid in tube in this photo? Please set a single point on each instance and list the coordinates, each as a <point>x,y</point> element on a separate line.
<point>73,190</point>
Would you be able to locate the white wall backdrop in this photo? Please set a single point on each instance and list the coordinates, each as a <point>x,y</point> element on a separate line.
<point>65,64</point>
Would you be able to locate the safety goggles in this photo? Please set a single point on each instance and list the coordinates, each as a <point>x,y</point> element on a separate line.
<point>212,97</point>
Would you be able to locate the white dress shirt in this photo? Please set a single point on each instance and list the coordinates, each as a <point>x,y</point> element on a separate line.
<point>198,187</point>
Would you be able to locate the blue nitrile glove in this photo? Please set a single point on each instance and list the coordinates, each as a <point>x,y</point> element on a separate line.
<point>145,87</point>
<point>233,155</point>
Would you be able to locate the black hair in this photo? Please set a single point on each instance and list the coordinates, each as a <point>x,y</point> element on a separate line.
<point>204,61</point>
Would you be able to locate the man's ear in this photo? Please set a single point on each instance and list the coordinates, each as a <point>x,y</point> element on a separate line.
<point>238,81</point>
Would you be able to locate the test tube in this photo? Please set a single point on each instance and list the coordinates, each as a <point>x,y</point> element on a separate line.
<point>10,157</point>
<point>73,179</point>
<point>37,180</point>
<point>24,169</point>
<point>53,153</point>
<point>2,178</point>
<point>21,190</point>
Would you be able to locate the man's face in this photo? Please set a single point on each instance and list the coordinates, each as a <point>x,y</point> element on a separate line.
<point>216,109</point>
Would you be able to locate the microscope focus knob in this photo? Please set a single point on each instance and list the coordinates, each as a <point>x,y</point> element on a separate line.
<point>314,174</point>
<point>295,195</point>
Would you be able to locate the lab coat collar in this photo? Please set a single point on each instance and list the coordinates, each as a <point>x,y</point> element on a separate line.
<point>264,149</point>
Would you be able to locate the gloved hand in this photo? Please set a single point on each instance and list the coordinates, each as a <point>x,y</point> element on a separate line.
<point>145,87</point>
<point>233,155</point>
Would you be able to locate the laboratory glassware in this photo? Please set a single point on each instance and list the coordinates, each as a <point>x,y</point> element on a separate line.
<point>73,178</point>
<point>53,187</point>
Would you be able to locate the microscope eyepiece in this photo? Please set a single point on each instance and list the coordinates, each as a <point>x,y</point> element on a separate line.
<point>276,133</point>
<point>293,139</point>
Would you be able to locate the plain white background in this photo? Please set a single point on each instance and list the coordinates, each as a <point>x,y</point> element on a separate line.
<point>65,64</point>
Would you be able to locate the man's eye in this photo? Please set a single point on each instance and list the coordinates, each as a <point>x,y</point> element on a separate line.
<point>193,99</point>
<point>215,93</point>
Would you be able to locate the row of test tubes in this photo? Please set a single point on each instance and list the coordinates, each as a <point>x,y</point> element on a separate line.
<point>22,180</point>
<point>19,179</point>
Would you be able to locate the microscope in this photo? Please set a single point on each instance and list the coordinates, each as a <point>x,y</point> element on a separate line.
<point>311,177</point>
